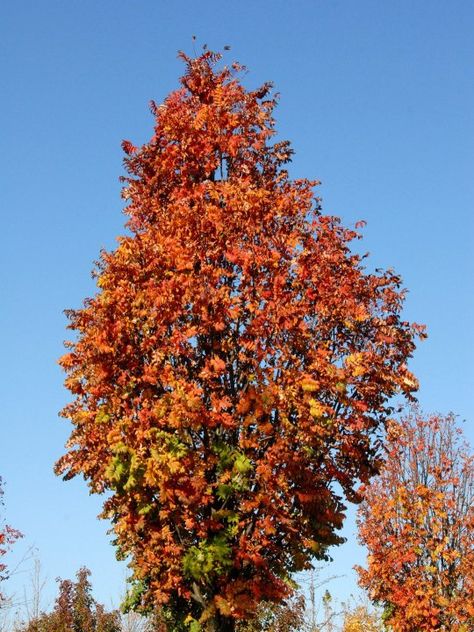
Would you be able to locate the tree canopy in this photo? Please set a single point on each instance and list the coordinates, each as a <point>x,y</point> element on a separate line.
<point>235,363</point>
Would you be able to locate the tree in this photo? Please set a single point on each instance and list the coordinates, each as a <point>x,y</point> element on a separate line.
<point>236,361</point>
<point>359,618</point>
<point>75,610</point>
<point>135,622</point>
<point>8,536</point>
<point>286,616</point>
<point>417,521</point>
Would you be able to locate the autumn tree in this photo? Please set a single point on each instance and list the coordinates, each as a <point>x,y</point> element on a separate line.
<point>236,361</point>
<point>75,610</point>
<point>358,617</point>
<point>8,536</point>
<point>417,522</point>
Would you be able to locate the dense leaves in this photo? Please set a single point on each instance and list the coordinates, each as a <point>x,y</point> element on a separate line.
<point>75,610</point>
<point>236,362</point>
<point>417,521</point>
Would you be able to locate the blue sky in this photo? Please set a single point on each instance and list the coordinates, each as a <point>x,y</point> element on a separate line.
<point>377,100</point>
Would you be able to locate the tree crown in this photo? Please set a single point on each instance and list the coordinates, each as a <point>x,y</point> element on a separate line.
<point>236,362</point>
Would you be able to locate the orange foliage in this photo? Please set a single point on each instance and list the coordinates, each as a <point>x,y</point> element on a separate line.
<point>417,522</point>
<point>236,361</point>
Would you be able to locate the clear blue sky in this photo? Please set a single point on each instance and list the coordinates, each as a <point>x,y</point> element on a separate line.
<point>377,99</point>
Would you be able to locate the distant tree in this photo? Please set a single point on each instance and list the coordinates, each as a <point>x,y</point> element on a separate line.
<point>286,616</point>
<point>8,536</point>
<point>75,610</point>
<point>358,617</point>
<point>417,522</point>
<point>236,362</point>
<point>136,622</point>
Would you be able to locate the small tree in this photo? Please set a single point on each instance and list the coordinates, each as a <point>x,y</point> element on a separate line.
<point>286,616</point>
<point>358,617</point>
<point>136,622</point>
<point>236,361</point>
<point>8,536</point>
<point>417,521</point>
<point>75,610</point>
